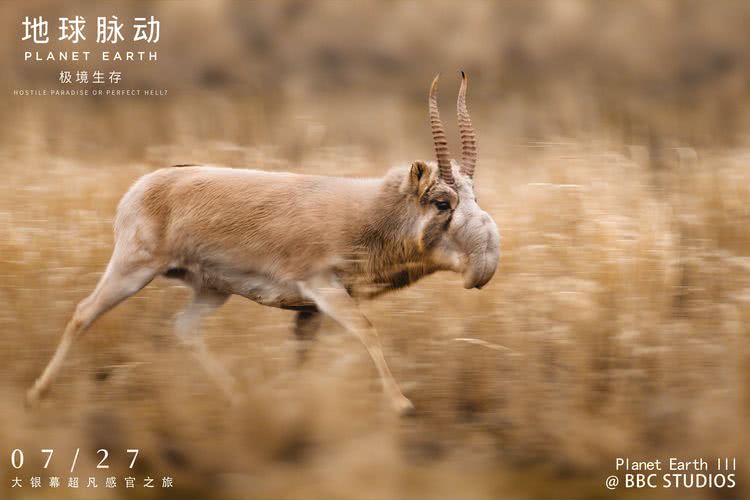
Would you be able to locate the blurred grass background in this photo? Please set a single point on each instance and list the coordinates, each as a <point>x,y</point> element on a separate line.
<point>613,156</point>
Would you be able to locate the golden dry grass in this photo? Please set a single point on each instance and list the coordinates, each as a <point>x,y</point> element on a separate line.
<point>621,305</point>
<point>617,324</point>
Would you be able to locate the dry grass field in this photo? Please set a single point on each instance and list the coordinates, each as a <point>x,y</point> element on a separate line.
<point>616,326</point>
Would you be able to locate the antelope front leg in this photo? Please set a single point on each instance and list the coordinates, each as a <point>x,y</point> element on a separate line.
<point>333,299</point>
<point>306,325</point>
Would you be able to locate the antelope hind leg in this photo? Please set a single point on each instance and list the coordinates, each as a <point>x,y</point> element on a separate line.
<point>122,279</point>
<point>187,329</point>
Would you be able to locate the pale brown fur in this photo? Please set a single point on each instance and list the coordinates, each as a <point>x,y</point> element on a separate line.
<point>310,243</point>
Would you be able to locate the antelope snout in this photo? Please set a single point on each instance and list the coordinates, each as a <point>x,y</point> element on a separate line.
<point>483,256</point>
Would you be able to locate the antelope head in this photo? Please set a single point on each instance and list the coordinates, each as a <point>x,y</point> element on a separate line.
<point>455,232</point>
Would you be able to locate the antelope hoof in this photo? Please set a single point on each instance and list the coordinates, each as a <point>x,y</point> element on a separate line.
<point>32,398</point>
<point>404,407</point>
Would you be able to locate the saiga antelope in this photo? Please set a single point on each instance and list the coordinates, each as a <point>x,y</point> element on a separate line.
<point>309,243</point>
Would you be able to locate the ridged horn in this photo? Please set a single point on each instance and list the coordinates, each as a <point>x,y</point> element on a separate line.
<point>438,136</point>
<point>466,130</point>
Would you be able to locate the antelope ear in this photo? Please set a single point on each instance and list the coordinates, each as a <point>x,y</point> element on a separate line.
<point>419,177</point>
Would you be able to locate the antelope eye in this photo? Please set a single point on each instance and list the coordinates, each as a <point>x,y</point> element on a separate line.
<point>443,205</point>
